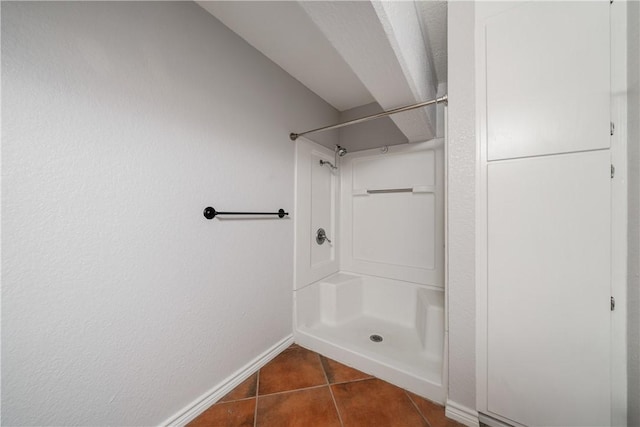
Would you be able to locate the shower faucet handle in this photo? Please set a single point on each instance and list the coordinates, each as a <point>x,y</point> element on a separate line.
<point>321,236</point>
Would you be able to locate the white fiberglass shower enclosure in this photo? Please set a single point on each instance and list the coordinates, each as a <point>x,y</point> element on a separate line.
<point>371,295</point>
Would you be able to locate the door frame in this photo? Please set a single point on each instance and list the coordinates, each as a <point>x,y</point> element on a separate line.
<point>618,151</point>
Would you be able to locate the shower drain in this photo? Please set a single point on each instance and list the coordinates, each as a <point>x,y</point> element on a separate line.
<point>375,338</point>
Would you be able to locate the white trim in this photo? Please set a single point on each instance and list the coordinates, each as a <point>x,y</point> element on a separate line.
<point>462,414</point>
<point>195,408</point>
<point>481,13</point>
<point>619,214</point>
<point>492,422</point>
<point>445,223</point>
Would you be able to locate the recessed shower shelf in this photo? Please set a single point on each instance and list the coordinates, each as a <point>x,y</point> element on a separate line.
<point>416,189</point>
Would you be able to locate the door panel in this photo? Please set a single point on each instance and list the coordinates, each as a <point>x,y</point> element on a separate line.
<point>549,289</point>
<point>548,79</point>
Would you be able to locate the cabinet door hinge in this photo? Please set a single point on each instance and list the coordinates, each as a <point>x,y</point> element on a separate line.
<point>613,171</point>
<point>612,128</point>
<point>613,303</point>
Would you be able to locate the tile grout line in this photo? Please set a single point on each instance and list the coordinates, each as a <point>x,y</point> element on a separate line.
<point>294,390</point>
<point>255,411</point>
<point>312,387</point>
<point>233,401</point>
<point>333,398</point>
<point>358,380</point>
<point>417,409</point>
<point>335,405</point>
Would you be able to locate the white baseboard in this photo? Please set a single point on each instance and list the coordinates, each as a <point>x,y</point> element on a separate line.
<point>195,408</point>
<point>462,414</point>
<point>493,422</point>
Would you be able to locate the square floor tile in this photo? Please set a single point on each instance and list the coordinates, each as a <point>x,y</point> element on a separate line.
<point>433,412</point>
<point>375,403</point>
<point>292,369</point>
<point>303,408</point>
<point>230,414</point>
<point>245,390</point>
<point>339,373</point>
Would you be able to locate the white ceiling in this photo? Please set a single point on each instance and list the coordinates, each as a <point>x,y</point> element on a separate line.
<point>283,32</point>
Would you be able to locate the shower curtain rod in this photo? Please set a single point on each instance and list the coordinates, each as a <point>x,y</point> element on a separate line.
<point>443,98</point>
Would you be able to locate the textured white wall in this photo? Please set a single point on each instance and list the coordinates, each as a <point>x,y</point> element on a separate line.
<point>121,121</point>
<point>633,262</point>
<point>461,159</point>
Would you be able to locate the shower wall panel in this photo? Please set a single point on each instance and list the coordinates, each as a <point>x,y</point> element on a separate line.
<point>392,213</point>
<point>323,201</point>
<point>316,207</point>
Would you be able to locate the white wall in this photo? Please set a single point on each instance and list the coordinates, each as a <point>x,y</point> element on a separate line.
<point>121,121</point>
<point>383,131</point>
<point>371,134</point>
<point>633,262</point>
<point>461,170</point>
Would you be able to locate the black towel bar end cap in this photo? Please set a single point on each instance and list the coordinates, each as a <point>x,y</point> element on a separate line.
<point>209,212</point>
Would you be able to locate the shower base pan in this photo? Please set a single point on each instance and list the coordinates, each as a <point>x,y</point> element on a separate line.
<point>387,328</point>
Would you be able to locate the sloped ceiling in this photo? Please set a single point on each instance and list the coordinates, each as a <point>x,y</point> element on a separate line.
<point>352,53</point>
<point>283,32</point>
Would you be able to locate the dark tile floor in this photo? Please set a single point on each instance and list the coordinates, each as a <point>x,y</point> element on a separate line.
<point>302,388</point>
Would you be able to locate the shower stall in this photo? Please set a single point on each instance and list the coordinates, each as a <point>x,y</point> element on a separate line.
<point>369,270</point>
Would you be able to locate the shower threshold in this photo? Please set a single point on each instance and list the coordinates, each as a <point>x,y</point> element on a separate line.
<point>398,358</point>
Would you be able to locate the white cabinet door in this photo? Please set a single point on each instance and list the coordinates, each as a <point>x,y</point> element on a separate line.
<point>549,289</point>
<point>548,85</point>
